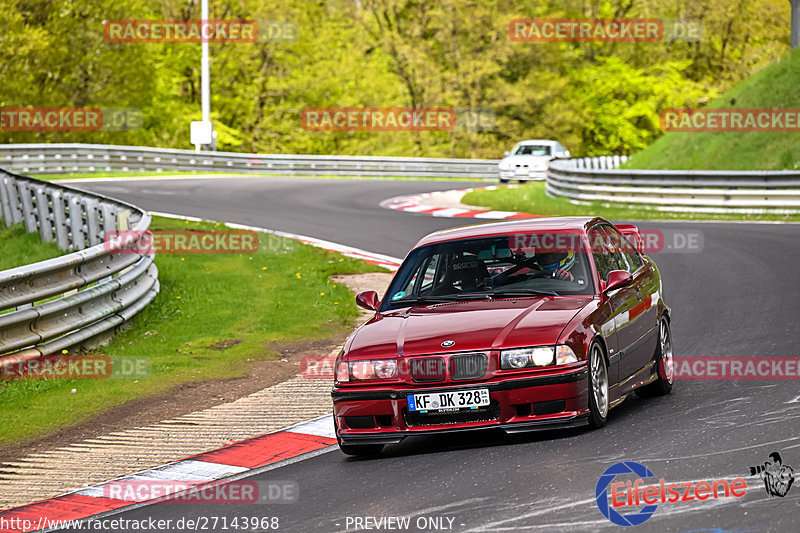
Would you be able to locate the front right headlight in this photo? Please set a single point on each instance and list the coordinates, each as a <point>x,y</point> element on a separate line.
<point>537,356</point>
<point>504,165</point>
<point>526,357</point>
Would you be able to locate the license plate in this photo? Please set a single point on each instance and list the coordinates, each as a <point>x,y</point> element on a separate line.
<point>437,401</point>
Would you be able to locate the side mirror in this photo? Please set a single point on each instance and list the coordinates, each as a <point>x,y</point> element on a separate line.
<point>566,154</point>
<point>369,300</point>
<point>617,279</point>
<point>506,154</point>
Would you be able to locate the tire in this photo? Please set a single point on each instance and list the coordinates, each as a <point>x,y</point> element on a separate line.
<point>503,180</point>
<point>598,386</point>
<point>665,365</point>
<point>361,450</point>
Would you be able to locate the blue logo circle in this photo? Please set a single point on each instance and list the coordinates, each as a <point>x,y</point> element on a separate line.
<point>601,494</point>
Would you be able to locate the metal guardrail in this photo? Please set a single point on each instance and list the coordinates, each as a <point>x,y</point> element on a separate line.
<point>62,158</point>
<point>79,298</point>
<point>599,179</point>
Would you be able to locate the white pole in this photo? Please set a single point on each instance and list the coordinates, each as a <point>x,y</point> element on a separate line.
<point>205,89</point>
<point>795,23</point>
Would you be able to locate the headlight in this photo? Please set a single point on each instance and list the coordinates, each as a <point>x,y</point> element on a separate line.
<point>537,356</point>
<point>504,165</point>
<point>364,370</point>
<point>385,369</point>
<point>526,357</point>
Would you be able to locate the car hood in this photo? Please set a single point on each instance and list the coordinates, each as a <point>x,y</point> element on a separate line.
<point>475,325</point>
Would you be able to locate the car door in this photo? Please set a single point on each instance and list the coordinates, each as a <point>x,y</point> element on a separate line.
<point>616,330</point>
<point>639,336</point>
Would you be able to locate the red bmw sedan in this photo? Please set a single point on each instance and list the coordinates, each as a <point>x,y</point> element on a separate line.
<point>521,326</point>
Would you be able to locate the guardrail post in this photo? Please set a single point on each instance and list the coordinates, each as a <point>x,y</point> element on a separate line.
<point>29,216</point>
<point>109,218</point>
<point>5,205</point>
<point>92,223</point>
<point>76,222</point>
<point>13,201</point>
<point>45,228</point>
<point>60,221</point>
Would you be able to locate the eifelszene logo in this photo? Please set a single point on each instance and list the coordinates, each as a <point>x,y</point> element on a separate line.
<point>631,494</point>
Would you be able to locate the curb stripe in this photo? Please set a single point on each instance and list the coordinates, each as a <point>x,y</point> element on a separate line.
<point>267,449</point>
<point>66,507</point>
<point>411,204</point>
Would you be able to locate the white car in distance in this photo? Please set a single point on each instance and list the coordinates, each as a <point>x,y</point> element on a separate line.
<point>528,160</point>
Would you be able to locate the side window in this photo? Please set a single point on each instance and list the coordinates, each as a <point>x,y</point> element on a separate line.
<point>606,252</point>
<point>630,259</point>
<point>600,252</point>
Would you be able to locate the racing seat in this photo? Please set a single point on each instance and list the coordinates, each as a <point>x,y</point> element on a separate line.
<point>466,274</point>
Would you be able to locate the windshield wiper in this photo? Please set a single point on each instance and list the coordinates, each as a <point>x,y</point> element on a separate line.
<point>523,292</point>
<point>424,300</point>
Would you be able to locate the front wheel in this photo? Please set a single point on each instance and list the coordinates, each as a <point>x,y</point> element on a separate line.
<point>598,387</point>
<point>665,364</point>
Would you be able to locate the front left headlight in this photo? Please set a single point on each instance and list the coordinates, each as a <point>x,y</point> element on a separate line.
<point>366,369</point>
<point>537,356</point>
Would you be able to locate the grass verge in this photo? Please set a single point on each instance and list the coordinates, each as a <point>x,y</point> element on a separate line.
<point>532,198</point>
<point>214,317</point>
<point>18,248</point>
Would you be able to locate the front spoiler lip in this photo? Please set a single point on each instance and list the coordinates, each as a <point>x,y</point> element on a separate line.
<point>340,395</point>
<point>509,428</point>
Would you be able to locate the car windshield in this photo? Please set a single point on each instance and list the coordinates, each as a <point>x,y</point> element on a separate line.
<point>529,264</point>
<point>532,149</point>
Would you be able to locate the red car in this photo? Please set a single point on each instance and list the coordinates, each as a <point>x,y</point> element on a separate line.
<point>521,325</point>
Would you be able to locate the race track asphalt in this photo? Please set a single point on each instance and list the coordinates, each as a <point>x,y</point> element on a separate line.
<point>735,297</point>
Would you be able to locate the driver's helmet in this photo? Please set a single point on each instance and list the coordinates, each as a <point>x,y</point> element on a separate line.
<point>555,261</point>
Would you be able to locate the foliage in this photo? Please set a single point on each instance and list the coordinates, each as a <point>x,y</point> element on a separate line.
<point>594,97</point>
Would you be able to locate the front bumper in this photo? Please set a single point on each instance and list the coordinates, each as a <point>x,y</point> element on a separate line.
<point>519,404</point>
<point>523,176</point>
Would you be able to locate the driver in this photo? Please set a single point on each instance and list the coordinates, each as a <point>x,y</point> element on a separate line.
<point>557,264</point>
